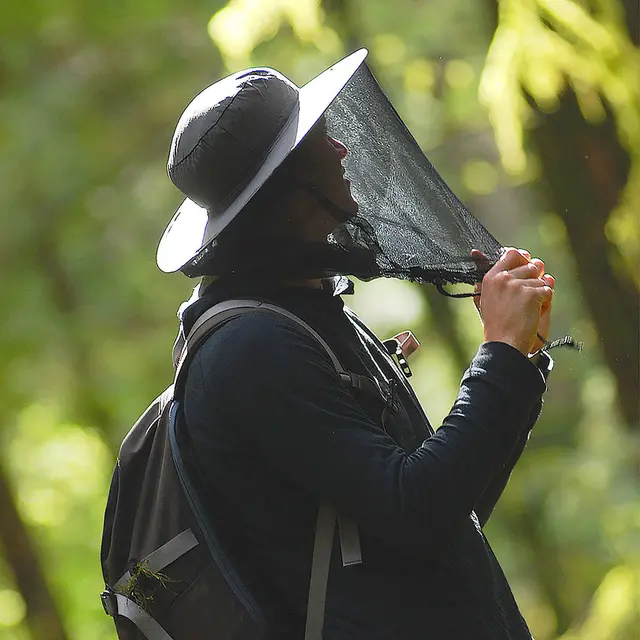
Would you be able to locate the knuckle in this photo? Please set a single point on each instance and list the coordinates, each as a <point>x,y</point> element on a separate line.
<point>510,254</point>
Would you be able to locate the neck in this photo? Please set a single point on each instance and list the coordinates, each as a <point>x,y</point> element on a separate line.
<point>314,283</point>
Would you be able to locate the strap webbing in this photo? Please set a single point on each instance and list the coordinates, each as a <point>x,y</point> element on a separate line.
<point>127,608</point>
<point>164,555</point>
<point>229,309</point>
<point>327,516</point>
<point>322,545</point>
<point>349,542</point>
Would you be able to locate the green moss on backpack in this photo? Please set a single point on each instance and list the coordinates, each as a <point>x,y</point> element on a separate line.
<point>142,584</point>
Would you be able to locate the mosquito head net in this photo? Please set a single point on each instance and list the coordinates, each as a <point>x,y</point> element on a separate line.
<point>408,217</point>
<point>409,224</point>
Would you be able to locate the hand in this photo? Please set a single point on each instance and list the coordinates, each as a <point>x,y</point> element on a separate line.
<point>515,304</point>
<point>545,310</point>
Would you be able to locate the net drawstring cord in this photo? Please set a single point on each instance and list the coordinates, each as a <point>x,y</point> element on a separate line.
<point>566,341</point>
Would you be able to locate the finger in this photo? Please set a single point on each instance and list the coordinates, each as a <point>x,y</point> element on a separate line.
<point>543,297</point>
<point>534,283</point>
<point>510,259</point>
<point>525,253</point>
<point>540,265</point>
<point>525,271</point>
<point>550,281</point>
<point>477,289</point>
<point>480,259</point>
<point>545,293</point>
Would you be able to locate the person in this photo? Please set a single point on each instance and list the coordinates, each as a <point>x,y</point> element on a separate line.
<point>275,432</point>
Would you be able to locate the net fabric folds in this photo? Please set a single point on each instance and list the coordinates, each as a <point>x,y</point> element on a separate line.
<point>409,225</point>
<point>409,221</point>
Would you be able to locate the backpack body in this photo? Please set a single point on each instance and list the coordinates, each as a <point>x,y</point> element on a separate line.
<point>167,571</point>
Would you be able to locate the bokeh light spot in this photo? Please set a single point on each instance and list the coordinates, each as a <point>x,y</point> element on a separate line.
<point>389,49</point>
<point>459,74</point>
<point>12,608</point>
<point>419,76</point>
<point>480,176</point>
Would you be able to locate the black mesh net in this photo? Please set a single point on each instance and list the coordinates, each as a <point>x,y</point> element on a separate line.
<point>409,221</point>
<point>409,225</point>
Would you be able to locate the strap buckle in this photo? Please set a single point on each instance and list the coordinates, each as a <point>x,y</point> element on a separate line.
<point>109,602</point>
<point>402,346</point>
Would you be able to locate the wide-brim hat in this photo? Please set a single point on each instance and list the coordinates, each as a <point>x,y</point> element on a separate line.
<point>229,141</point>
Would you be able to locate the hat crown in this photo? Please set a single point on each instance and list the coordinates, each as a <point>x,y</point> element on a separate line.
<point>228,143</point>
<point>225,133</point>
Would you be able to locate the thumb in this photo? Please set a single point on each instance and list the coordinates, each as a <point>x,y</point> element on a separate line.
<point>477,293</point>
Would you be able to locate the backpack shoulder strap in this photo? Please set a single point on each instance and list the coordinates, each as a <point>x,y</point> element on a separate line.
<point>327,516</point>
<point>229,309</point>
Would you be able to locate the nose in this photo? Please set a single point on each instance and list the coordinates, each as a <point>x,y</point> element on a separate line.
<point>339,147</point>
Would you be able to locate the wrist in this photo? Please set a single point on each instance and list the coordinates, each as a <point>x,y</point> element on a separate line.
<point>543,361</point>
<point>522,347</point>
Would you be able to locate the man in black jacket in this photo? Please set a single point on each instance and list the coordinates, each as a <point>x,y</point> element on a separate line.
<point>276,433</point>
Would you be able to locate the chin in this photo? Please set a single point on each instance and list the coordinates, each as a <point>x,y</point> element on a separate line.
<point>353,204</point>
<point>350,203</point>
<point>348,207</point>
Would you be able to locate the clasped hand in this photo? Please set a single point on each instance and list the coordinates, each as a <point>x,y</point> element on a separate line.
<point>515,300</point>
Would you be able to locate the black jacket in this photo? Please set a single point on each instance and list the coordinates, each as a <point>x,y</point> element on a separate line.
<point>275,432</point>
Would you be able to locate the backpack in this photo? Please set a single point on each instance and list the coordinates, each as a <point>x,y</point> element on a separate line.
<point>165,561</point>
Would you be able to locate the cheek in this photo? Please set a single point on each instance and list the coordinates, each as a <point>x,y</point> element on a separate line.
<point>312,167</point>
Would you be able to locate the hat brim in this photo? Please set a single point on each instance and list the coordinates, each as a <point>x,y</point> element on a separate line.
<point>191,230</point>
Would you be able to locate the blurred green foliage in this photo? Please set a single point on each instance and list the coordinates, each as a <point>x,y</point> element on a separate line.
<point>91,92</point>
<point>540,47</point>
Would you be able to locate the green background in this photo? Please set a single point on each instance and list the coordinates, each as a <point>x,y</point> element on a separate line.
<point>530,109</point>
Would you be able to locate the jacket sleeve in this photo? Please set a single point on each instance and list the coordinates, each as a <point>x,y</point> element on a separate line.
<point>493,491</point>
<point>277,386</point>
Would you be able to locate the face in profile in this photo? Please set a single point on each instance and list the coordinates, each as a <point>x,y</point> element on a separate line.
<point>321,160</point>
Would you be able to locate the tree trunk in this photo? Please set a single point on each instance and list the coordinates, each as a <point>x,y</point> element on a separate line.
<point>446,325</point>
<point>528,526</point>
<point>43,617</point>
<point>584,170</point>
<point>344,19</point>
<point>632,14</point>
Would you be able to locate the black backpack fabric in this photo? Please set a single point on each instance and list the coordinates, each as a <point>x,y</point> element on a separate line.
<point>167,572</point>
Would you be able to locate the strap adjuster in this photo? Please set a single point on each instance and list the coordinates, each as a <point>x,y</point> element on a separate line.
<point>109,602</point>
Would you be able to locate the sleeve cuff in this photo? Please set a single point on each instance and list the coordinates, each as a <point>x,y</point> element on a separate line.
<point>511,371</point>
<point>544,362</point>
